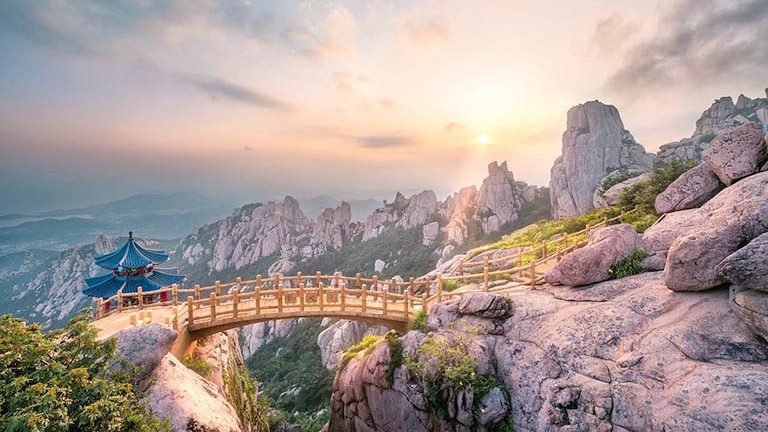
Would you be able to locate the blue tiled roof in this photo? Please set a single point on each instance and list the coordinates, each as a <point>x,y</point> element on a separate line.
<point>130,255</point>
<point>108,285</point>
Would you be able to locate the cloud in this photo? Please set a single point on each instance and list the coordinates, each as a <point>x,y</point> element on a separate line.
<point>383,141</point>
<point>427,29</point>
<point>614,33</point>
<point>216,87</point>
<point>248,149</point>
<point>697,42</point>
<point>452,127</point>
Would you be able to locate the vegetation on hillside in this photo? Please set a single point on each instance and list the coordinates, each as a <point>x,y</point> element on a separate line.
<point>62,381</point>
<point>644,193</point>
<point>618,178</point>
<point>629,266</point>
<point>292,376</point>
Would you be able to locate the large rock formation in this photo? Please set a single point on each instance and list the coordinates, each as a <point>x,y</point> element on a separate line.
<point>748,266</point>
<point>595,145</point>
<point>722,116</point>
<point>592,263</point>
<point>252,232</point>
<point>619,355</point>
<point>499,199</point>
<point>339,335</point>
<point>690,190</point>
<point>404,212</point>
<point>737,154</point>
<point>332,230</point>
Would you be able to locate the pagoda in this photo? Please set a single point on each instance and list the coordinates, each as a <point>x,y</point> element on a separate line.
<point>132,267</point>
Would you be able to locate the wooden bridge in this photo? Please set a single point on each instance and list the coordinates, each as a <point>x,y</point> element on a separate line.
<point>200,311</point>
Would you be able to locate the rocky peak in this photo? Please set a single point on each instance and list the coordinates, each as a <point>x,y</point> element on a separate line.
<point>332,230</point>
<point>595,145</point>
<point>103,245</point>
<point>404,212</point>
<point>252,232</point>
<point>722,116</point>
<point>499,199</point>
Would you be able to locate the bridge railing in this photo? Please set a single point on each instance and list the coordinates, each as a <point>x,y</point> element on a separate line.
<point>336,292</point>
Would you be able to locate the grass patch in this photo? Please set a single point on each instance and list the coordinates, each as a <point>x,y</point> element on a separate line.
<point>200,366</point>
<point>451,285</point>
<point>644,193</point>
<point>396,358</point>
<point>629,266</point>
<point>420,322</point>
<point>364,347</point>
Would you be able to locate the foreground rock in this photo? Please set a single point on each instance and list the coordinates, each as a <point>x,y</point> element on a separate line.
<point>177,394</point>
<point>144,347</point>
<point>748,266</point>
<point>590,264</point>
<point>622,355</point>
<point>595,144</point>
<point>692,189</point>
<point>692,257</point>
<point>737,154</point>
<point>752,307</point>
<point>339,336</point>
<point>659,237</point>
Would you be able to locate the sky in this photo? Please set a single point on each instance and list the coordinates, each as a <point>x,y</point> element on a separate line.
<point>251,100</point>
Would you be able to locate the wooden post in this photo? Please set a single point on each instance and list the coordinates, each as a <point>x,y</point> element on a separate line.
<point>565,240</point>
<point>141,299</point>
<point>218,288</point>
<point>533,274</point>
<point>405,306</point>
<point>411,286</point>
<point>424,301</point>
<point>301,296</point>
<point>559,253</point>
<point>384,302</point>
<point>239,283</point>
<point>393,285</point>
<point>99,308</point>
<point>235,300</point>
<point>520,263</point>
<point>486,279</point>
<point>357,281</point>
<point>375,285</point>
<point>277,280</point>
<point>586,230</point>
<point>190,308</point>
<point>175,294</point>
<point>461,270</point>
<point>320,298</point>
<point>213,307</point>
<point>318,279</point>
<point>120,300</point>
<point>343,295</point>
<point>336,280</point>
<point>485,261</point>
<point>279,296</point>
<point>257,297</point>
<point>197,292</point>
<point>258,281</point>
<point>439,288</point>
<point>426,286</point>
<point>364,298</point>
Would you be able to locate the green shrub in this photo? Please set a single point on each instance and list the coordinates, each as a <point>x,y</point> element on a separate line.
<point>629,266</point>
<point>365,347</point>
<point>420,322</point>
<point>62,381</point>
<point>194,426</point>
<point>644,193</point>
<point>618,178</point>
<point>201,366</point>
<point>243,394</point>
<point>450,285</point>
<point>396,358</point>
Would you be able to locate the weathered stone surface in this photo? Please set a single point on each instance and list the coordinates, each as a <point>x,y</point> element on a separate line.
<point>429,233</point>
<point>144,346</point>
<point>493,407</point>
<point>486,305</point>
<point>736,154</point>
<point>379,265</point>
<point>752,308</point>
<point>178,394</point>
<point>499,198</point>
<point>332,230</point>
<point>607,246</point>
<point>690,190</point>
<point>404,212</point>
<point>692,257</point>
<point>595,144</point>
<point>256,335</point>
<point>748,266</point>
<point>750,187</point>
<point>339,336</point>
<point>632,356</point>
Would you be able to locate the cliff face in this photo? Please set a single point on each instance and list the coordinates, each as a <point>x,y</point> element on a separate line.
<point>595,145</point>
<point>619,355</point>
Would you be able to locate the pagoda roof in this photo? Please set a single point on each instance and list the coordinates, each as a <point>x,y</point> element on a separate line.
<point>130,255</point>
<point>109,284</point>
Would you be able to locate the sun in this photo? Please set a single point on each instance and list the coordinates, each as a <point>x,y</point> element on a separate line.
<point>482,139</point>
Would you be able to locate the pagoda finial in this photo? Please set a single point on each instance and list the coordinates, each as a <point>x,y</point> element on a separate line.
<point>130,234</point>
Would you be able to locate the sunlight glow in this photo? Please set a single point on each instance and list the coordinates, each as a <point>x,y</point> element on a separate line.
<point>482,139</point>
